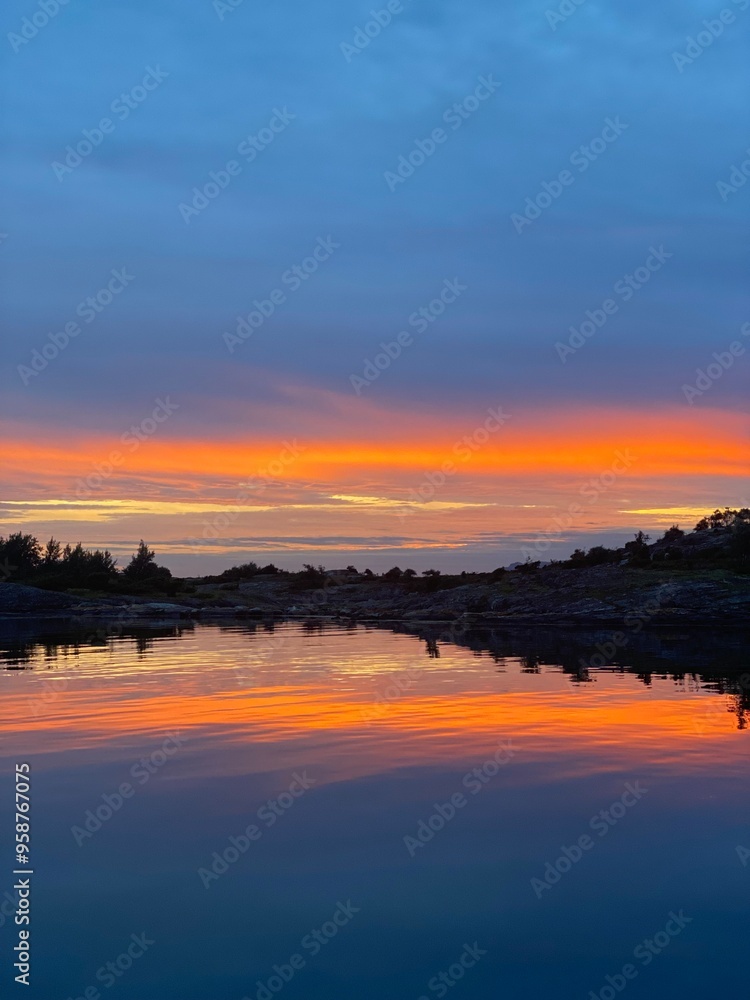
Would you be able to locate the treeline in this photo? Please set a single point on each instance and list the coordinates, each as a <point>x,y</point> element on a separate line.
<point>24,559</point>
<point>720,540</point>
<point>727,518</point>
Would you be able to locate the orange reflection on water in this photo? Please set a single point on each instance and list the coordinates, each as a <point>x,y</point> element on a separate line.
<point>360,714</point>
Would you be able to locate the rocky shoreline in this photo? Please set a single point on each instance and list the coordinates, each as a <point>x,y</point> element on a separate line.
<point>555,595</point>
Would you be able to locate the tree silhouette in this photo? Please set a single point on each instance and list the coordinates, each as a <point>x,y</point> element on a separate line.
<point>21,552</point>
<point>638,550</point>
<point>52,551</point>
<point>143,564</point>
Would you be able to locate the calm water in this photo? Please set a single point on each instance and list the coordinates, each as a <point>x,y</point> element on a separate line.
<point>392,801</point>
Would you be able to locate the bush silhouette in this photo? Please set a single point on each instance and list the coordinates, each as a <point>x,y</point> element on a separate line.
<point>142,570</point>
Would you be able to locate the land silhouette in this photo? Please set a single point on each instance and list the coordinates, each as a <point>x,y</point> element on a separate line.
<point>696,576</point>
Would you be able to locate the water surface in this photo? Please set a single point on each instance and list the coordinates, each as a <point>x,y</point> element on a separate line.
<point>410,796</point>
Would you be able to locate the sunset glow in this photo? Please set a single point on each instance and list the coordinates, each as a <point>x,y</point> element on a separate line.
<point>222,497</point>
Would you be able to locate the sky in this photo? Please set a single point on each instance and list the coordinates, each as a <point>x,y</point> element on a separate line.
<point>430,286</point>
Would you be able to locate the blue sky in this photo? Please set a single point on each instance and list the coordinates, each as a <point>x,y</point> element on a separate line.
<point>323,176</point>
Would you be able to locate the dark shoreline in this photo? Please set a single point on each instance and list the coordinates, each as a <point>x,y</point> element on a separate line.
<point>614,597</point>
<point>469,622</point>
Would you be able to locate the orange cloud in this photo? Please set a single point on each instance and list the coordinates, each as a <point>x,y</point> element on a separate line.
<point>354,493</point>
<point>584,442</point>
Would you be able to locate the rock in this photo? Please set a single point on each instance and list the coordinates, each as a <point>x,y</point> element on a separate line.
<point>18,599</point>
<point>160,609</point>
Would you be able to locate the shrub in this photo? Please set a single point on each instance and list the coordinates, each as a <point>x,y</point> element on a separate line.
<point>143,572</point>
<point>638,550</point>
<point>724,518</point>
<point>143,565</point>
<point>599,555</point>
<point>530,566</point>
<point>244,572</point>
<point>673,534</point>
<point>20,554</point>
<point>311,577</point>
